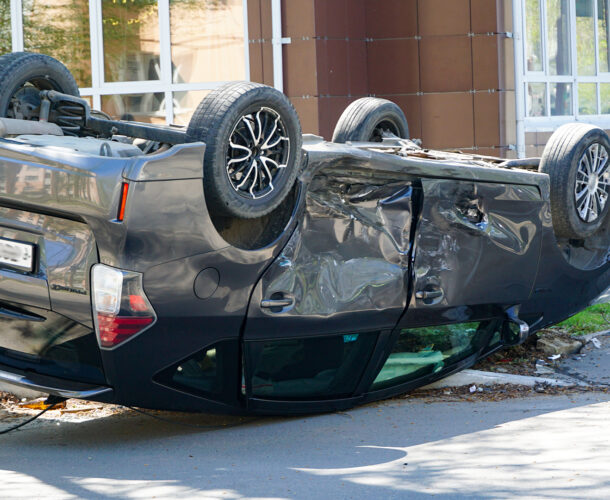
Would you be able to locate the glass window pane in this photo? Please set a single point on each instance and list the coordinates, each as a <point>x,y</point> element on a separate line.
<point>602,33</point>
<point>207,41</point>
<point>536,99</point>
<point>585,37</point>
<point>131,40</point>
<point>61,30</point>
<point>587,98</point>
<point>309,368</point>
<point>425,351</point>
<point>211,372</point>
<point>147,108</point>
<point>561,99</point>
<point>5,26</point>
<point>533,35</point>
<point>604,98</point>
<point>185,104</point>
<point>558,37</point>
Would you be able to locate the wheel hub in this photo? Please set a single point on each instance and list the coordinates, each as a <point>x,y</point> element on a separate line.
<point>592,187</point>
<point>258,153</point>
<point>25,103</point>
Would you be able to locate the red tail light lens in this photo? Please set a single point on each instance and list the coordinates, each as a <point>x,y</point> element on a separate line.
<point>121,309</point>
<point>116,329</point>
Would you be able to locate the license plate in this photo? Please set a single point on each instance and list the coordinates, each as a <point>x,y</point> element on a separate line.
<point>18,255</point>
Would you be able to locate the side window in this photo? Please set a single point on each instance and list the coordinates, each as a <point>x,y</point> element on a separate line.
<point>210,373</point>
<point>429,350</point>
<point>308,368</point>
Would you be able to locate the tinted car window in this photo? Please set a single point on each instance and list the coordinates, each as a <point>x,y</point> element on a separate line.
<point>310,368</point>
<point>211,372</point>
<point>425,351</point>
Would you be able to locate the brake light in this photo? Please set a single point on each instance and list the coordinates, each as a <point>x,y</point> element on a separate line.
<point>123,202</point>
<point>121,309</point>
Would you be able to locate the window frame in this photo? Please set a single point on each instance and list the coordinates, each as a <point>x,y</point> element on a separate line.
<point>101,88</point>
<point>548,122</point>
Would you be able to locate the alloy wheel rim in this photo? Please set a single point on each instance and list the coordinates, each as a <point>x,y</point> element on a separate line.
<point>258,153</point>
<point>592,183</point>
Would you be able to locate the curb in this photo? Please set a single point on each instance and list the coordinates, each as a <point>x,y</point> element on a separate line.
<point>477,377</point>
<point>587,338</point>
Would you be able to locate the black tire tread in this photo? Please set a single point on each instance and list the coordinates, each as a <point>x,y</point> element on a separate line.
<point>354,118</point>
<point>558,161</point>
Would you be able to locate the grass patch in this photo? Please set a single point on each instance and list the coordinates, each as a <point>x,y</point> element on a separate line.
<point>594,319</point>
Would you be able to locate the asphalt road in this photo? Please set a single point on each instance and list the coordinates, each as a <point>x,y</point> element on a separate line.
<point>538,447</point>
<point>592,365</point>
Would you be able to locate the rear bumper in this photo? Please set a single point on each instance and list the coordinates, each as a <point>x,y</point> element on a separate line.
<point>55,386</point>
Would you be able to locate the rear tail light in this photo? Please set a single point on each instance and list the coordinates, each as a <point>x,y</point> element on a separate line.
<point>123,203</point>
<point>120,307</point>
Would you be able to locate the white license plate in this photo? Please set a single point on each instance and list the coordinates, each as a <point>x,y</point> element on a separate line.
<point>15,254</point>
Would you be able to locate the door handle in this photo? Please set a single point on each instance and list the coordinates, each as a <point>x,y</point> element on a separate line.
<point>428,294</point>
<point>278,301</point>
<point>269,303</point>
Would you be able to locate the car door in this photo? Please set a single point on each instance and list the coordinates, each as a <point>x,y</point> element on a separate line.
<point>338,286</point>
<point>476,250</point>
<point>475,254</point>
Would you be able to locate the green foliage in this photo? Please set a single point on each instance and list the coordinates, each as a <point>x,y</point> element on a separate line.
<point>594,319</point>
<point>5,26</point>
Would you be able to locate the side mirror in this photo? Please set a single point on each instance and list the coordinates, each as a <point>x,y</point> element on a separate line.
<point>514,330</point>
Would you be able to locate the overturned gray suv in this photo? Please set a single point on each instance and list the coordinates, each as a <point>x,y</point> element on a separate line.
<point>239,266</point>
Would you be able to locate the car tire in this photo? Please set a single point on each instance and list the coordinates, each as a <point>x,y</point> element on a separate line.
<point>366,119</point>
<point>23,75</point>
<point>576,160</point>
<point>253,148</point>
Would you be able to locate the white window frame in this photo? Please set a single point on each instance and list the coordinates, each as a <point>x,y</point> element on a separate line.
<point>550,123</point>
<point>100,88</point>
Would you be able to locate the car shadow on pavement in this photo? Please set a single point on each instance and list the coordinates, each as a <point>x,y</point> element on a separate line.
<point>540,447</point>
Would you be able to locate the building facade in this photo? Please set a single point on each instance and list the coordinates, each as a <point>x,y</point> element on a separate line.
<point>489,76</point>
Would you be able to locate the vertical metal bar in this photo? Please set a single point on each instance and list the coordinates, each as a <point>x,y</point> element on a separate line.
<point>543,36</point>
<point>97,50</point>
<point>16,26</point>
<point>596,36</point>
<point>519,56</point>
<point>598,98</point>
<point>94,35</point>
<point>246,41</point>
<point>166,56</point>
<point>169,106</point>
<point>574,57</point>
<point>276,28</point>
<point>607,19</point>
